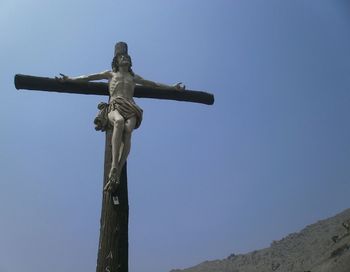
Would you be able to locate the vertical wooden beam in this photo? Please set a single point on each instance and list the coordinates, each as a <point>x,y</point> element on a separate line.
<point>113,243</point>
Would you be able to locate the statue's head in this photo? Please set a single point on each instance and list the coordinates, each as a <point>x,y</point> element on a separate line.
<point>121,57</point>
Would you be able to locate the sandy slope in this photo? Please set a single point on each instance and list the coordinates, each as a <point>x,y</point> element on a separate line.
<point>320,247</point>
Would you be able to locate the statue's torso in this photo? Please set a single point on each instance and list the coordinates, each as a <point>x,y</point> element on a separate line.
<point>121,84</point>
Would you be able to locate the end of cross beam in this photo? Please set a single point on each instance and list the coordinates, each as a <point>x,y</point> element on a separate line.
<point>16,81</point>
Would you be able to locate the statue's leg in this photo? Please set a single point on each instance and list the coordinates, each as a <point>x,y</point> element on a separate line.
<point>117,120</point>
<point>128,128</point>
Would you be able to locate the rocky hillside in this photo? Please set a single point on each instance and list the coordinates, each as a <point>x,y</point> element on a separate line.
<point>321,247</point>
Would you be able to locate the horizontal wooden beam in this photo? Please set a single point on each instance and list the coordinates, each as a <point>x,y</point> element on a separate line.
<point>100,88</point>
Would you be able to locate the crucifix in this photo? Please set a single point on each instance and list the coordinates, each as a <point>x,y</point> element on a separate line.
<point>118,118</point>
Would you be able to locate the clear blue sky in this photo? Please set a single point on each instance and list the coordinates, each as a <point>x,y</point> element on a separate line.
<point>271,156</point>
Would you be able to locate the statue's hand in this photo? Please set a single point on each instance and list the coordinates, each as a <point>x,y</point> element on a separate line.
<point>179,86</point>
<point>62,77</point>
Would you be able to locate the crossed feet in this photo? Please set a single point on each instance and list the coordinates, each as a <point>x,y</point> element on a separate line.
<point>112,182</point>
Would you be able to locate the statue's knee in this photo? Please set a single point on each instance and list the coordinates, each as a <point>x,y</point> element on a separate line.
<point>129,126</point>
<point>118,123</point>
<point>128,130</point>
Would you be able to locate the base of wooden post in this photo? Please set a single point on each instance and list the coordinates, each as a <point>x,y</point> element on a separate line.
<point>113,244</point>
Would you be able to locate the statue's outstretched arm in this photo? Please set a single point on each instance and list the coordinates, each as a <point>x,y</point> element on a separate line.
<point>91,77</point>
<point>148,83</point>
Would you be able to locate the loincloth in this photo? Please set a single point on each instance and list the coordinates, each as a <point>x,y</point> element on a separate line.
<point>125,108</point>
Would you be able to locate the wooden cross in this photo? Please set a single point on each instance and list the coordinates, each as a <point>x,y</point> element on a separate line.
<point>113,242</point>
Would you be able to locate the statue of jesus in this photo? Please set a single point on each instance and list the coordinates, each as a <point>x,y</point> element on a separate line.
<point>122,112</point>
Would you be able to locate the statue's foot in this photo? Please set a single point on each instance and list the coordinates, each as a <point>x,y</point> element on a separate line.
<point>113,181</point>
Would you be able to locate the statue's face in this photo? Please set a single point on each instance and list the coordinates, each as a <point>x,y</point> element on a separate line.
<point>124,60</point>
